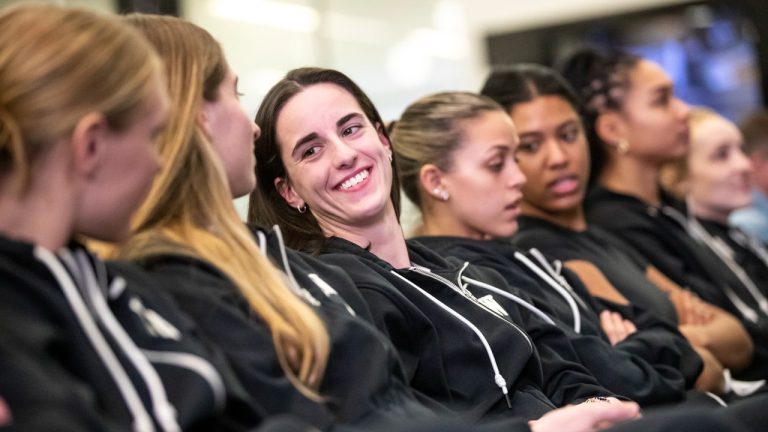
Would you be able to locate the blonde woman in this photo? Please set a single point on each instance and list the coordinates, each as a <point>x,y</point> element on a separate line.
<point>82,99</point>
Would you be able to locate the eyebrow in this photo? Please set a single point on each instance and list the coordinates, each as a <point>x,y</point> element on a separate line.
<point>307,138</point>
<point>311,136</point>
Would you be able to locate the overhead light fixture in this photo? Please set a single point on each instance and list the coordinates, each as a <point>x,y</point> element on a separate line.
<point>279,15</point>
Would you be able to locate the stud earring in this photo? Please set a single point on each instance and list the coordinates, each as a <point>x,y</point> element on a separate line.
<point>622,146</point>
<point>389,155</point>
<point>441,193</point>
<point>302,208</point>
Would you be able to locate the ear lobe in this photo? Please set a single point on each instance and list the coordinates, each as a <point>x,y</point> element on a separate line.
<point>610,128</point>
<point>286,191</point>
<point>382,136</point>
<point>88,141</point>
<point>431,180</point>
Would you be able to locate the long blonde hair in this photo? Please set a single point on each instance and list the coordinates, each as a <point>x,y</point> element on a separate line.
<point>189,209</point>
<point>58,65</point>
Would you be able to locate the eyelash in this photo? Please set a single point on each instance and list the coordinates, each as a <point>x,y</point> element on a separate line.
<point>346,131</point>
<point>305,154</point>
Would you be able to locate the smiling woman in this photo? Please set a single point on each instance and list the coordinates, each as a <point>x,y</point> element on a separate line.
<point>323,146</point>
<point>302,228</point>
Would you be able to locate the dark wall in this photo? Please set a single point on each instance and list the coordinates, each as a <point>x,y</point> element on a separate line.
<point>163,7</point>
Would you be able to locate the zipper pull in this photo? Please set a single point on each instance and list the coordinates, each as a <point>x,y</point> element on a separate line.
<point>503,386</point>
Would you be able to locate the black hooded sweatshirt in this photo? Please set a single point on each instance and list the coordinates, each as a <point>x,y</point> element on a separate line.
<point>363,387</point>
<point>652,366</point>
<point>460,343</point>
<point>81,349</point>
<point>659,235</point>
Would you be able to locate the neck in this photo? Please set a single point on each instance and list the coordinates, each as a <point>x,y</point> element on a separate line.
<point>708,213</point>
<point>383,237</point>
<point>438,220</point>
<point>572,219</point>
<point>41,215</point>
<point>633,177</point>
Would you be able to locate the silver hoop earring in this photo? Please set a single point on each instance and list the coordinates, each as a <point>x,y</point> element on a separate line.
<point>302,208</point>
<point>390,156</point>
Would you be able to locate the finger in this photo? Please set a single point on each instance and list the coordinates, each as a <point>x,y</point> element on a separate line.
<point>606,322</point>
<point>629,327</point>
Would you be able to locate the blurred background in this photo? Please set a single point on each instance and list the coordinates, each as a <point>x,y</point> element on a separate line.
<point>400,50</point>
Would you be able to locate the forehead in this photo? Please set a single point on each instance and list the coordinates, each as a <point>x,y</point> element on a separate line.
<point>489,129</point>
<point>542,112</point>
<point>316,106</point>
<point>648,76</point>
<point>712,131</point>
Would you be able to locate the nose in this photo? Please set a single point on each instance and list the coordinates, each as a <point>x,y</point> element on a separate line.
<point>556,156</point>
<point>516,176</point>
<point>683,109</point>
<point>344,155</point>
<point>742,161</point>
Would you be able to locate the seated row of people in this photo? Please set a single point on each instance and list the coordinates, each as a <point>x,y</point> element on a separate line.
<point>132,133</point>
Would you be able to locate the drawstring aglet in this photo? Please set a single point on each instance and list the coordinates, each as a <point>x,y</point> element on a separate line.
<point>503,386</point>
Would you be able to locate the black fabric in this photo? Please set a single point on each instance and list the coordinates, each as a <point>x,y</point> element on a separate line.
<point>44,340</point>
<point>443,357</point>
<point>620,264</point>
<point>657,234</point>
<point>363,386</point>
<point>652,366</point>
<point>745,256</point>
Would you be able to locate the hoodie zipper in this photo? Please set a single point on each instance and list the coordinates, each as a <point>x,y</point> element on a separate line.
<point>748,242</point>
<point>292,284</point>
<point>699,233</point>
<point>725,253</point>
<point>551,281</point>
<point>142,422</point>
<point>497,377</point>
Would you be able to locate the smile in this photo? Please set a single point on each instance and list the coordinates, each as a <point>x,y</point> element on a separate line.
<point>354,181</point>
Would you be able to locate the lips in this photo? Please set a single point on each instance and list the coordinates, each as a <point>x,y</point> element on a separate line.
<point>354,180</point>
<point>564,185</point>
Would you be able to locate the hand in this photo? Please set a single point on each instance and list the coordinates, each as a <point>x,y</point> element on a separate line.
<point>586,417</point>
<point>691,309</point>
<point>615,327</point>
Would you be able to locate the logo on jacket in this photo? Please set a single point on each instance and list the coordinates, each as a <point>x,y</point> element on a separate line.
<point>491,303</point>
<point>155,324</point>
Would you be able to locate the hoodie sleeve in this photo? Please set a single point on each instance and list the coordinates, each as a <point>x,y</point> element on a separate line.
<point>658,342</point>
<point>661,249</point>
<point>643,368</point>
<point>32,384</point>
<point>566,381</point>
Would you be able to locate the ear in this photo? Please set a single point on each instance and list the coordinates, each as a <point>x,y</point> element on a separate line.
<point>382,136</point>
<point>89,141</point>
<point>610,127</point>
<point>204,118</point>
<point>431,179</point>
<point>284,188</point>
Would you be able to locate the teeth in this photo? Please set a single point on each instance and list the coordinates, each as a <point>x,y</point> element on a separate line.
<point>362,175</point>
